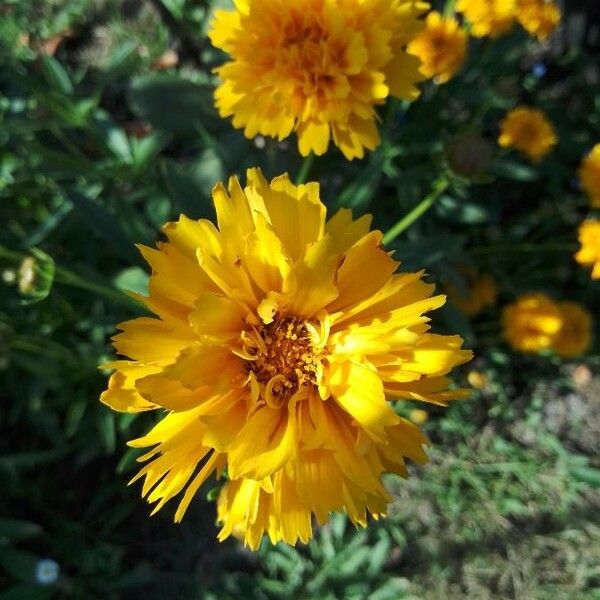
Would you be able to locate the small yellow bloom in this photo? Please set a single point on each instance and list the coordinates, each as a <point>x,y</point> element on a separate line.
<point>316,67</point>
<point>278,341</point>
<point>478,380</point>
<point>418,416</point>
<point>540,18</point>
<point>575,335</point>
<point>531,323</point>
<point>529,131</point>
<point>589,253</point>
<point>488,17</point>
<point>480,293</point>
<point>441,46</point>
<point>589,175</point>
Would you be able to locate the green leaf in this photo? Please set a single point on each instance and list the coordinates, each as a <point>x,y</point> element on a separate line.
<point>170,103</point>
<point>101,222</point>
<point>587,475</point>
<point>509,169</point>
<point>18,529</point>
<point>27,591</point>
<point>56,75</point>
<point>461,211</point>
<point>18,563</point>
<point>190,187</point>
<point>106,428</point>
<point>133,279</point>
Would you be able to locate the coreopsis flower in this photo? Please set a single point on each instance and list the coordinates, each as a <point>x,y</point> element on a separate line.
<point>527,130</point>
<point>531,323</point>
<point>589,253</point>
<point>278,340</point>
<point>575,335</point>
<point>539,18</point>
<point>491,18</point>
<point>318,68</point>
<point>441,46</point>
<point>589,175</point>
<point>478,294</point>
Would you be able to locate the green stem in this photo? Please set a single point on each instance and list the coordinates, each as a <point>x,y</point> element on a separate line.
<point>66,277</point>
<point>305,168</point>
<point>449,8</point>
<point>437,190</point>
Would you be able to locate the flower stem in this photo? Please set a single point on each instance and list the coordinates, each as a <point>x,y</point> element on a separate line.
<point>449,8</point>
<point>66,277</point>
<point>437,190</point>
<point>305,168</point>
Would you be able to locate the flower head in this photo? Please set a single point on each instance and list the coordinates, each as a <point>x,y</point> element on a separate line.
<point>441,46</point>
<point>529,131</point>
<point>589,253</point>
<point>575,335</point>
<point>277,340</point>
<point>479,293</point>
<point>488,17</point>
<point>316,67</point>
<point>589,175</point>
<point>539,18</point>
<point>531,323</point>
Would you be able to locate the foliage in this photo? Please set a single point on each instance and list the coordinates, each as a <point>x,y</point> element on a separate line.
<point>100,143</point>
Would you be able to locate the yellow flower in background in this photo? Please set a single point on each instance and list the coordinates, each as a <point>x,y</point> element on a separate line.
<point>589,253</point>
<point>589,175</point>
<point>575,335</point>
<point>531,323</point>
<point>278,339</point>
<point>527,130</point>
<point>479,293</point>
<point>316,67</point>
<point>491,18</point>
<point>540,18</point>
<point>441,46</point>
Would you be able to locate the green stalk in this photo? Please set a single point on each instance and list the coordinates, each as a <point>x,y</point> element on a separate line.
<point>305,168</point>
<point>66,277</point>
<point>437,190</point>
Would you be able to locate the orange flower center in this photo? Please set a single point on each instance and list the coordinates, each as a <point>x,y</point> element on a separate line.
<point>282,357</point>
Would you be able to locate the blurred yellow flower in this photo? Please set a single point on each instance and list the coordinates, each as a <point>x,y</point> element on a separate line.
<point>575,335</point>
<point>478,380</point>
<point>479,293</point>
<point>540,18</point>
<point>279,338</point>
<point>441,46</point>
<point>527,130</point>
<point>531,323</point>
<point>589,175</point>
<point>589,253</point>
<point>488,17</point>
<point>316,67</point>
<point>418,416</point>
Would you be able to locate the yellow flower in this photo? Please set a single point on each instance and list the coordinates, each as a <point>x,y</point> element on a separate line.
<point>480,293</point>
<point>589,175</point>
<point>489,17</point>
<point>316,67</point>
<point>478,380</point>
<point>441,46</point>
<point>418,416</point>
<point>575,335</point>
<point>529,131</point>
<point>279,338</point>
<point>531,323</point>
<point>589,253</point>
<point>539,17</point>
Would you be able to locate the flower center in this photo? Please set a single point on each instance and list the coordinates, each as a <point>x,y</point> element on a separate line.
<point>282,357</point>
